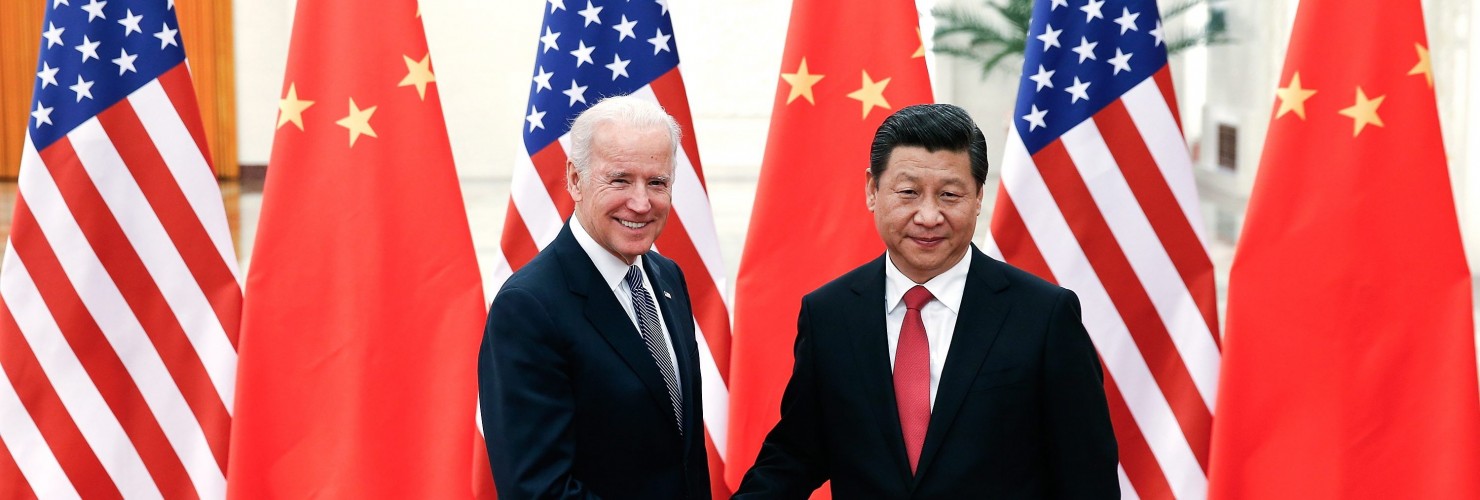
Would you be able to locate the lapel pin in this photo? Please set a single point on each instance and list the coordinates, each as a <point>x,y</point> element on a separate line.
<point>666,296</point>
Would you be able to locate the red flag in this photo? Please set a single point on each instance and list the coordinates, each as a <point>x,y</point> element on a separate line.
<point>363,301</point>
<point>119,302</point>
<point>844,70</point>
<point>1349,363</point>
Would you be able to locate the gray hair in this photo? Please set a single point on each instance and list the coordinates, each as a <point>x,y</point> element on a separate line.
<point>624,110</point>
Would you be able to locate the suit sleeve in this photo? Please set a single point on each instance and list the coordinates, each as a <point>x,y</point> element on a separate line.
<point>527,401</point>
<point>1081,443</point>
<point>792,462</point>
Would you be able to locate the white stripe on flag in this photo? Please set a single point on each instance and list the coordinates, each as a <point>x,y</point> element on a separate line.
<point>1142,248</point>
<point>21,436</point>
<point>1153,117</point>
<point>716,395</point>
<point>527,193</point>
<point>1108,331</point>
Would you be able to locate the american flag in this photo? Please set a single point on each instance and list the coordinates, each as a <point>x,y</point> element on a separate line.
<point>1097,193</point>
<point>119,300</point>
<point>588,50</point>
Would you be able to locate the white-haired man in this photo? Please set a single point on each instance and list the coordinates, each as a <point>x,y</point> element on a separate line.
<point>589,371</point>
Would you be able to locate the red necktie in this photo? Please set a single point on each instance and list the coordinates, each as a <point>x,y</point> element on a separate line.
<point>912,374</point>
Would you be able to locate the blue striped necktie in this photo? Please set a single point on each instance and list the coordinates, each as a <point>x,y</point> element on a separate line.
<point>652,334</point>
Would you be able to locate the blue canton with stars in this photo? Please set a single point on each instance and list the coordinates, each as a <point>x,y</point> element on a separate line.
<point>95,53</point>
<point>591,49</point>
<point>1081,56</point>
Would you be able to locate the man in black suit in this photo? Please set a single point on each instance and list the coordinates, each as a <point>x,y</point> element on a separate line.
<point>935,371</point>
<point>589,372</point>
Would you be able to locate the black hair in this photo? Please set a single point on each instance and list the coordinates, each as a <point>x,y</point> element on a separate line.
<point>935,127</point>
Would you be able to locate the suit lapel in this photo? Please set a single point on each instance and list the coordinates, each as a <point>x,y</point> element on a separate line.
<point>609,319</point>
<point>664,286</point>
<point>871,348</point>
<point>983,311</point>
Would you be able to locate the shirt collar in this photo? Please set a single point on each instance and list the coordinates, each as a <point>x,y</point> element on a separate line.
<point>947,287</point>
<point>612,269</point>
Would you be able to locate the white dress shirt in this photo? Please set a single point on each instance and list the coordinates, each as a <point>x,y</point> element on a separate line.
<point>614,272</point>
<point>938,315</point>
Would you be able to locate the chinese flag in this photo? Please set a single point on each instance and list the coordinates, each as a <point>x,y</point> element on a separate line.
<point>1349,362</point>
<point>844,70</point>
<point>363,307</point>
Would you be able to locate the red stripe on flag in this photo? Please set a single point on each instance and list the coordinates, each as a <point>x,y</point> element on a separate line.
<point>708,304</point>
<point>1014,240</point>
<point>139,290</point>
<point>717,486</point>
<point>1163,79</point>
<point>176,215</point>
<point>181,91</point>
<point>1155,196</point>
<point>1128,294</point>
<point>1136,457</point>
<point>518,246</point>
<point>16,486</point>
<point>675,100</point>
<point>40,399</point>
<point>549,163</point>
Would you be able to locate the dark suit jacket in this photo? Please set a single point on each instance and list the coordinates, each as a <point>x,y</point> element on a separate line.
<point>1019,413</point>
<point>573,403</point>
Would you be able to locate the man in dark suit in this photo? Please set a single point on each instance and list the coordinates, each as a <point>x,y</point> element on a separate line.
<point>935,371</point>
<point>589,372</point>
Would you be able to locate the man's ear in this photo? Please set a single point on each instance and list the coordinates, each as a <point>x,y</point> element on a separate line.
<point>572,180</point>
<point>870,187</point>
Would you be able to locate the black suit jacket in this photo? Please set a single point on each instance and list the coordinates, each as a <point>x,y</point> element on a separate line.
<point>573,403</point>
<point>1019,413</point>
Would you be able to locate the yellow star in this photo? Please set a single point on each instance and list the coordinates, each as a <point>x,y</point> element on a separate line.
<point>1292,98</point>
<point>801,83</point>
<point>920,52</point>
<point>871,94</point>
<point>358,122</point>
<point>1423,66</point>
<point>1363,112</point>
<point>290,108</point>
<point>418,73</point>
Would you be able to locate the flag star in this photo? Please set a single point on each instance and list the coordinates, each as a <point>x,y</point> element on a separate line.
<point>290,108</point>
<point>576,93</point>
<point>542,80</point>
<point>660,42</point>
<point>130,23</point>
<point>1042,78</point>
<point>624,29</point>
<point>801,83</point>
<point>42,115</point>
<point>536,119</point>
<point>94,10</point>
<point>171,5</point>
<point>1364,112</point>
<point>1423,67</point>
<point>1086,50</point>
<point>1050,37</point>
<point>919,51</point>
<point>1092,10</point>
<point>1127,20</point>
<point>590,13</point>
<point>583,54</point>
<point>60,2</point>
<point>549,41</point>
<point>53,35</point>
<point>1057,4</point>
<point>618,66</point>
<point>1080,90</point>
<point>1035,118</point>
<point>871,94</point>
<point>358,122</point>
<point>48,75</point>
<point>1292,98</point>
<point>556,5</point>
<point>82,88</point>
<point>88,48</point>
<point>1156,32</point>
<point>418,73</point>
<point>663,4</point>
<point>1122,62</point>
<point>166,36</point>
<point>125,62</point>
